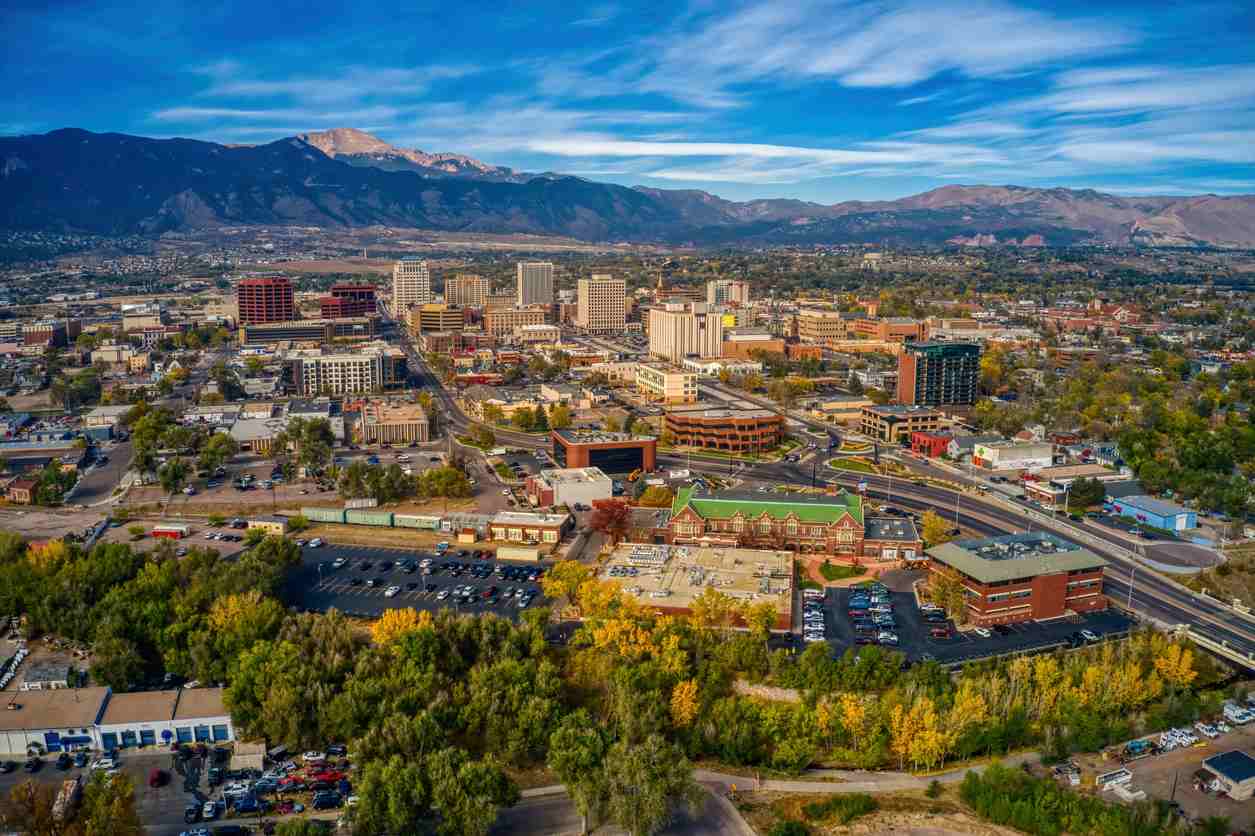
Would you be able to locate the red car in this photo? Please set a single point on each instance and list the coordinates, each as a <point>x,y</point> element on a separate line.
<point>328,776</point>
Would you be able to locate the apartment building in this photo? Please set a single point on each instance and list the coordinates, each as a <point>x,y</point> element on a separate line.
<point>411,284</point>
<point>435,317</point>
<point>361,371</point>
<point>937,374</point>
<point>601,304</point>
<point>683,329</point>
<point>727,291</point>
<point>466,290</point>
<point>267,299</point>
<point>665,384</point>
<point>534,283</point>
<point>501,323</point>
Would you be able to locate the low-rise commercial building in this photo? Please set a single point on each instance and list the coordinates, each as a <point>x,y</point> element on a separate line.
<point>745,431</point>
<point>52,720</point>
<point>148,718</point>
<point>1022,577</point>
<point>384,422</point>
<point>524,527</point>
<point>891,329</point>
<point>568,486</point>
<point>668,578</point>
<point>892,539</point>
<point>931,445</point>
<point>611,452</point>
<point>1236,771</point>
<point>1014,455</point>
<point>1155,512</point>
<point>840,409</point>
<point>666,384</point>
<point>270,525</point>
<point>820,326</point>
<point>532,334</point>
<point>894,423</point>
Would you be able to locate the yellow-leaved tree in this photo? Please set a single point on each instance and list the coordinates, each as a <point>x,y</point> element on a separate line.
<point>395,623</point>
<point>564,580</point>
<point>713,609</point>
<point>684,703</point>
<point>1175,665</point>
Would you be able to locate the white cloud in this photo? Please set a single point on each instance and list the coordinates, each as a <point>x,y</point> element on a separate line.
<point>353,83</point>
<point>345,117</point>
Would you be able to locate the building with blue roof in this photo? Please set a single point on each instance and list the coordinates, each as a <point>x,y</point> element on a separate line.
<point>1156,512</point>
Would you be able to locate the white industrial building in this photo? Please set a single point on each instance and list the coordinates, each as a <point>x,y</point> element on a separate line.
<point>1014,455</point>
<point>569,486</point>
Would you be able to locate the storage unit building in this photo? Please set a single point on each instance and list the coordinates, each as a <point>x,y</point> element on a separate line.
<point>52,721</point>
<point>1156,512</point>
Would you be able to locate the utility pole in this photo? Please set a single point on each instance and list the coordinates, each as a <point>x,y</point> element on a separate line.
<point>1132,572</point>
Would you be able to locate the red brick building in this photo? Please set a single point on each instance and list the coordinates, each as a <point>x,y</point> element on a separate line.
<point>1022,577</point>
<point>729,430</point>
<point>928,444</point>
<point>266,299</point>
<point>612,452</point>
<point>349,300</point>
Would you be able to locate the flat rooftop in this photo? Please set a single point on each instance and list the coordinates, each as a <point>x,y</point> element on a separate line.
<point>1235,766</point>
<point>1015,556</point>
<point>599,437</point>
<point>701,411</point>
<point>574,475</point>
<point>670,577</point>
<point>1149,503</point>
<point>527,518</point>
<point>393,413</point>
<point>890,528</point>
<point>59,708</point>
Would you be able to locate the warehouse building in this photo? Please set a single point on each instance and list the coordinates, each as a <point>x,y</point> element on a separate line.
<point>569,486</point>
<point>1022,577</point>
<point>52,720</point>
<point>1236,771</point>
<point>1156,512</point>
<point>149,718</point>
<point>612,452</point>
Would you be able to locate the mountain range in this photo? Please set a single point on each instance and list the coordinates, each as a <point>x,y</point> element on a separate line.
<point>72,180</point>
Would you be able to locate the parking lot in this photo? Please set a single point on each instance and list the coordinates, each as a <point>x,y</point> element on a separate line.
<point>318,585</point>
<point>914,639</point>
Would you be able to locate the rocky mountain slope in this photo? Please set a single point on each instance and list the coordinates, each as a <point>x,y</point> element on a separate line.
<point>75,180</point>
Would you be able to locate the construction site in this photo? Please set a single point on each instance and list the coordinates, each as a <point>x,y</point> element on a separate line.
<point>668,578</point>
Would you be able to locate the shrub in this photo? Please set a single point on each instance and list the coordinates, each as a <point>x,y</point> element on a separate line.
<point>843,809</point>
<point>934,789</point>
<point>789,828</point>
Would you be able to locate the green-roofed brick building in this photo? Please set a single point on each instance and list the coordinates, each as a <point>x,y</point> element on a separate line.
<point>808,523</point>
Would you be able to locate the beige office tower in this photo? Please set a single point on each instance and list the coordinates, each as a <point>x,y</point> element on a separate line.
<point>411,285</point>
<point>535,283</point>
<point>466,290</point>
<point>724,291</point>
<point>601,305</point>
<point>685,329</point>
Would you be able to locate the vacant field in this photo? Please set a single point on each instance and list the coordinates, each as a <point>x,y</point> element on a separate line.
<point>378,266</point>
<point>1234,578</point>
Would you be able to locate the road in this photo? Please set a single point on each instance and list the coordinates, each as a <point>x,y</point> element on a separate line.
<point>1136,587</point>
<point>554,815</point>
<point>98,483</point>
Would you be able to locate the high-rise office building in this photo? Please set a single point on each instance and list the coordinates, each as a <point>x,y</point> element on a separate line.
<point>684,329</point>
<point>601,304</point>
<point>939,374</point>
<point>466,290</point>
<point>348,300</point>
<point>266,299</point>
<point>411,284</point>
<point>535,283</point>
<point>725,291</point>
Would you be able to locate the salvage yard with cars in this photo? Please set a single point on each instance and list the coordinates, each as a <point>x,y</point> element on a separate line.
<point>366,581</point>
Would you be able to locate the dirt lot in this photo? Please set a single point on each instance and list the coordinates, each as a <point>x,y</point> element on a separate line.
<point>904,814</point>
<point>1155,776</point>
<point>47,523</point>
<point>44,652</point>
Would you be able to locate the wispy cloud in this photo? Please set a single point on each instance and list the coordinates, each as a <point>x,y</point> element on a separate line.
<point>350,84</point>
<point>204,114</point>
<point>598,15</point>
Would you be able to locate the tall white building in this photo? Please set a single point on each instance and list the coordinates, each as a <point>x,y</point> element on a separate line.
<point>685,329</point>
<point>600,305</point>
<point>535,283</point>
<point>723,291</point>
<point>411,284</point>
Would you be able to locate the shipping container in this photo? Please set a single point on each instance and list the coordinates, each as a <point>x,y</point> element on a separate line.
<point>364,502</point>
<point>173,532</point>
<point>355,516</point>
<point>328,515</point>
<point>416,521</point>
<point>521,553</point>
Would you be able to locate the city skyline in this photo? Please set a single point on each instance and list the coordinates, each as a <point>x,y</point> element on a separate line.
<point>816,100</point>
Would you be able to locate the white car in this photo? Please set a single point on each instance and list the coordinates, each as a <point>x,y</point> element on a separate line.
<point>1089,635</point>
<point>338,562</point>
<point>210,811</point>
<point>316,543</point>
<point>442,594</point>
<point>104,763</point>
<point>314,757</point>
<point>391,591</point>
<point>982,632</point>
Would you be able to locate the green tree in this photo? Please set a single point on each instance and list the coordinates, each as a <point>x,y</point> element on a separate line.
<point>217,451</point>
<point>108,807</point>
<point>483,436</point>
<point>467,793</point>
<point>116,662</point>
<point>173,474</point>
<point>559,416</point>
<point>644,781</point>
<point>540,421</point>
<point>523,418</point>
<point>577,752</point>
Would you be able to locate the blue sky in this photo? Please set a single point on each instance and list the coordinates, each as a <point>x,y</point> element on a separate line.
<point>817,99</point>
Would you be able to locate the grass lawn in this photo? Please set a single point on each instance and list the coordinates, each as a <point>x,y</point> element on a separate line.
<point>504,472</point>
<point>856,465</point>
<point>839,572</point>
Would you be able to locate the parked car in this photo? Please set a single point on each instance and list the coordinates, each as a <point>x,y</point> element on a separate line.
<point>982,632</point>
